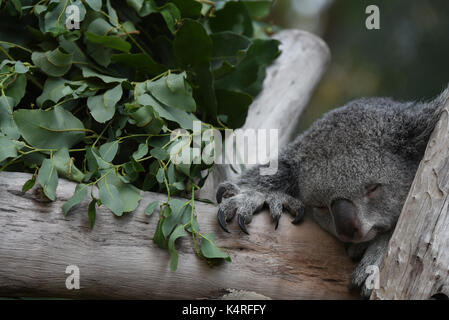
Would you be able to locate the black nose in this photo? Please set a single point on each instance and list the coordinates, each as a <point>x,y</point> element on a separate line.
<point>347,224</point>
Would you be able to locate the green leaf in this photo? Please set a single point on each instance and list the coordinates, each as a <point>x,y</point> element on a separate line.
<point>54,63</point>
<point>135,4</point>
<point>204,93</point>
<point>89,73</point>
<point>54,18</point>
<point>174,91</point>
<point>210,250</point>
<point>171,15</point>
<point>79,195</point>
<point>234,105</point>
<point>8,149</point>
<point>184,119</point>
<point>192,46</point>
<point>249,74</point>
<point>92,212</point>
<point>179,185</point>
<point>158,237</point>
<point>228,46</point>
<point>65,166</point>
<point>151,207</point>
<point>148,119</point>
<point>233,17</point>
<point>7,123</point>
<point>54,90</point>
<point>109,150</point>
<point>19,67</point>
<point>94,4</point>
<point>141,152</point>
<point>29,184</point>
<point>52,129</point>
<point>258,8</point>
<point>102,107</point>
<point>95,161</point>
<point>113,18</point>
<point>177,233</point>
<point>189,8</point>
<point>110,196</point>
<point>139,61</point>
<point>48,178</point>
<point>177,209</point>
<point>129,194</point>
<point>17,5</point>
<point>16,89</point>
<point>159,153</point>
<point>171,174</point>
<point>109,41</point>
<point>160,176</point>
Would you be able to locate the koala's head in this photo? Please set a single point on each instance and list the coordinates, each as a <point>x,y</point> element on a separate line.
<point>357,166</point>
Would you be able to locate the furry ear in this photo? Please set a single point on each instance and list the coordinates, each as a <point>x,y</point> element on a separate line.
<point>418,122</point>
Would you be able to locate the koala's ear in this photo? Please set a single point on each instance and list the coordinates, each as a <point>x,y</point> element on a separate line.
<point>415,124</point>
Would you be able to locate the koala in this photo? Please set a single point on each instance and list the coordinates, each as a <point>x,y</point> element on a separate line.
<point>350,171</point>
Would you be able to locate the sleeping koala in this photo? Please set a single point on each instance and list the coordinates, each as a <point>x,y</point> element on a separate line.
<point>353,169</point>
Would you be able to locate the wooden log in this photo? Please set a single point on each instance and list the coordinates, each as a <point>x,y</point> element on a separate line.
<point>118,259</point>
<point>416,265</point>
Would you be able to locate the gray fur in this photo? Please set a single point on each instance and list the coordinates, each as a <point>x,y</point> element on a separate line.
<point>368,141</point>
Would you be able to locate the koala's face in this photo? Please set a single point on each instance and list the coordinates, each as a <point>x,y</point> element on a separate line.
<point>353,185</point>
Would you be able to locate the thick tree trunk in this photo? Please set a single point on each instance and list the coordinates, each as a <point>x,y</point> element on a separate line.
<point>118,259</point>
<point>416,265</point>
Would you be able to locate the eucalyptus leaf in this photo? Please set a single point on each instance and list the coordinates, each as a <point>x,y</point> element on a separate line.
<point>52,129</point>
<point>173,91</point>
<point>110,196</point>
<point>112,42</point>
<point>94,4</point>
<point>192,45</point>
<point>28,184</point>
<point>7,123</point>
<point>8,149</point>
<point>177,233</point>
<point>109,150</point>
<point>151,207</point>
<point>102,107</point>
<point>141,152</point>
<point>65,165</point>
<point>48,178</point>
<point>92,212</point>
<point>210,250</point>
<point>54,63</point>
<point>16,89</point>
<point>79,195</point>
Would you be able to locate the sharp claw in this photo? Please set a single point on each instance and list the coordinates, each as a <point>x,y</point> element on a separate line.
<point>299,216</point>
<point>277,222</point>
<point>222,220</point>
<point>220,192</point>
<point>241,221</point>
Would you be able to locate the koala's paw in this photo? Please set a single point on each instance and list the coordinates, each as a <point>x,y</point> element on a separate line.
<point>365,275</point>
<point>359,278</point>
<point>245,203</point>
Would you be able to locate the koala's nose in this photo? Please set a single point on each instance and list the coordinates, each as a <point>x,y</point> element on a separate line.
<point>347,224</point>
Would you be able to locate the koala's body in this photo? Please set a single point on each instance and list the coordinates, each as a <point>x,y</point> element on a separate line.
<point>352,170</point>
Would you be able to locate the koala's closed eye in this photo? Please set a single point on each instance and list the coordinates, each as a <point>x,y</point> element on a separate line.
<point>372,189</point>
<point>322,208</point>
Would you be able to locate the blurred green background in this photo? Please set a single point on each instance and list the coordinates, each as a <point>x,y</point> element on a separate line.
<point>407,59</point>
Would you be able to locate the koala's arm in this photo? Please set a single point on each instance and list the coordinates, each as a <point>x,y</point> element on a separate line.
<point>253,191</point>
<point>371,259</point>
